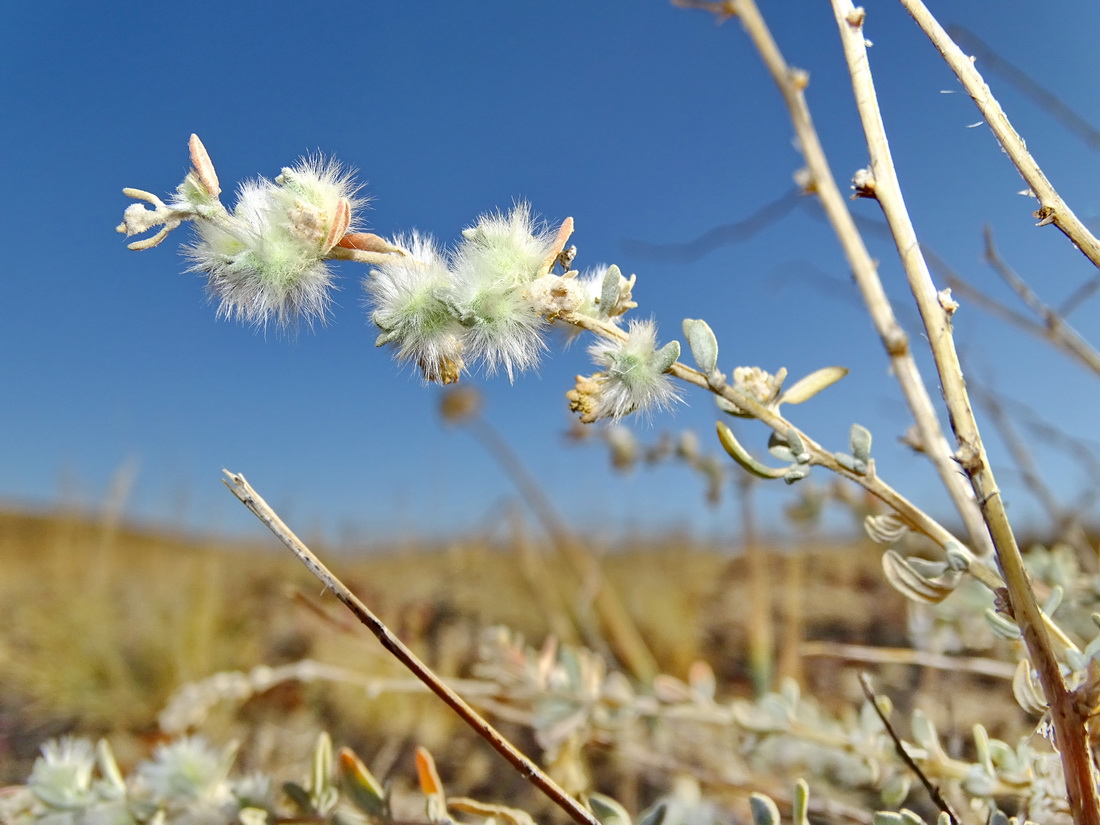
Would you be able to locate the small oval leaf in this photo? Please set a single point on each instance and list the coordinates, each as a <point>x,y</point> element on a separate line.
<point>742,457</point>
<point>764,811</point>
<point>610,290</point>
<point>904,577</point>
<point>885,528</point>
<point>703,344</point>
<point>806,388</point>
<point>666,356</point>
<point>1028,695</point>
<point>859,440</point>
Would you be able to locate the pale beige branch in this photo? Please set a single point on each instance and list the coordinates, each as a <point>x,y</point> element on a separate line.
<point>908,656</point>
<point>1052,209</point>
<point>1058,332</point>
<point>791,85</point>
<point>1067,718</point>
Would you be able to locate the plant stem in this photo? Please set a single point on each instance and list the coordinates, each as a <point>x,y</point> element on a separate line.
<point>527,769</point>
<point>1072,739</point>
<point>1052,209</point>
<point>791,86</point>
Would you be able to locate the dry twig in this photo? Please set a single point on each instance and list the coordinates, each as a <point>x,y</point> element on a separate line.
<point>526,768</point>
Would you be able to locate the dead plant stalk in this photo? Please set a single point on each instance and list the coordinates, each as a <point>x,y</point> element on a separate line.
<point>791,84</point>
<point>526,768</point>
<point>1052,209</point>
<point>884,187</point>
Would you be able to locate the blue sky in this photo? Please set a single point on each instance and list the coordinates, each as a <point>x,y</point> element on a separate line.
<point>641,121</point>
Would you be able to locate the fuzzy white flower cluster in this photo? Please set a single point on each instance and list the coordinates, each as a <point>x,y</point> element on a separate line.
<point>487,301</point>
<point>264,260</point>
<point>634,377</point>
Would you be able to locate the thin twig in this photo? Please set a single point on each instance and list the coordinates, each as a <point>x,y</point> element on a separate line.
<point>1058,332</point>
<point>1079,296</point>
<point>903,366</point>
<point>899,746</point>
<point>1070,119</point>
<point>526,768</point>
<point>1052,209</point>
<point>720,235</point>
<point>1066,716</point>
<point>908,656</point>
<point>1059,335</point>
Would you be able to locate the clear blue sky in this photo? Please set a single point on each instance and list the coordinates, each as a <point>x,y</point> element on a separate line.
<point>639,120</point>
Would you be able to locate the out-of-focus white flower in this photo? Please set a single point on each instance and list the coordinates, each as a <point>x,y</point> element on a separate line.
<point>62,775</point>
<point>633,379</point>
<point>63,790</point>
<point>412,308</point>
<point>188,780</point>
<point>255,790</point>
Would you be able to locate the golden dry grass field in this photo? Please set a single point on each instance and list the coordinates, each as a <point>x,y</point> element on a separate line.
<point>102,623</point>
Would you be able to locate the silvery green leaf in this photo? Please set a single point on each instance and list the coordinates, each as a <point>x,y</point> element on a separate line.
<point>794,441</point>
<point>895,789</point>
<point>800,805</point>
<point>1076,660</point>
<point>1092,648</point>
<point>998,817</point>
<point>779,449</point>
<point>796,473</point>
<point>1002,755</point>
<point>979,782</point>
<point>108,766</point>
<point>608,811</point>
<point>728,407</point>
<point>859,441</point>
<point>741,455</point>
<point>919,580</point>
<point>655,815</point>
<point>903,817</point>
<point>1028,695</point>
<point>806,388</point>
<point>981,748</point>
<point>1055,600</point>
<point>870,723</point>
<point>703,343</point>
<point>300,797</point>
<point>1002,625</point>
<point>885,528</point>
<point>609,290</point>
<point>851,463</point>
<point>666,356</point>
<point>320,775</point>
<point>925,735</point>
<point>764,811</point>
<point>791,693</point>
<point>958,557</point>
